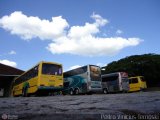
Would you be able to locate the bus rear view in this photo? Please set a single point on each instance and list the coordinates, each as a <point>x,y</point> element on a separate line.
<point>115,82</point>
<point>95,79</point>
<point>45,77</point>
<point>51,77</point>
<point>85,79</point>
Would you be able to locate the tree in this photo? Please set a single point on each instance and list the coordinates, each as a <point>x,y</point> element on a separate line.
<point>147,65</point>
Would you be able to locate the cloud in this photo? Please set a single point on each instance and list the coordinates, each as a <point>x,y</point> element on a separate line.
<point>91,46</point>
<point>82,40</point>
<point>12,52</point>
<point>9,63</point>
<point>77,40</point>
<point>101,64</point>
<point>31,27</point>
<point>118,32</point>
<point>88,29</point>
<point>99,20</point>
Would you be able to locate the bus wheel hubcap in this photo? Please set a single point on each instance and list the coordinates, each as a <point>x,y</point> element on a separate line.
<point>71,92</point>
<point>105,91</point>
<point>77,91</point>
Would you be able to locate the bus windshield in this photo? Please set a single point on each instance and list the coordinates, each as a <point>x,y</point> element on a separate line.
<point>51,69</point>
<point>95,73</point>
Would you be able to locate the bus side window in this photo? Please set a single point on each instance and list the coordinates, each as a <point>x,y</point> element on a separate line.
<point>130,81</point>
<point>134,80</point>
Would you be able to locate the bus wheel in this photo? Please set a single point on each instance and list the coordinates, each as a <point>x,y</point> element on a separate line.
<point>71,92</point>
<point>24,92</point>
<point>105,91</point>
<point>125,91</point>
<point>76,91</point>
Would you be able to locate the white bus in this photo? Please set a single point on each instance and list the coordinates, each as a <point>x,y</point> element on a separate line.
<point>86,79</point>
<point>115,82</point>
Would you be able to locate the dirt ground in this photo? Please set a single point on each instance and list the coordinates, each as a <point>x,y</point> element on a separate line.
<point>87,107</point>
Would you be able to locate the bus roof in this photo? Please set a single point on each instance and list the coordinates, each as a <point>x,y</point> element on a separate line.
<point>36,65</point>
<point>80,67</point>
<point>135,77</point>
<point>49,62</point>
<point>115,73</point>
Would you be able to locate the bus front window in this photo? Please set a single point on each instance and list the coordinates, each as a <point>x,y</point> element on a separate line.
<point>51,69</point>
<point>95,73</point>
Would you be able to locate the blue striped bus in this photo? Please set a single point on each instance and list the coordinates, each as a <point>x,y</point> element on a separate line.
<point>82,80</point>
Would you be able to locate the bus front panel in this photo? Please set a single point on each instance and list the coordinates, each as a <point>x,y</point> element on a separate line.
<point>51,77</point>
<point>95,77</point>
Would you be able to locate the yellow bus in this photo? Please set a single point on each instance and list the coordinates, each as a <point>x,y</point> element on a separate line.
<point>45,77</point>
<point>137,83</point>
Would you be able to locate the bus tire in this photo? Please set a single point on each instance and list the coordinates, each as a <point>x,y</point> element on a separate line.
<point>24,92</point>
<point>125,91</point>
<point>71,92</point>
<point>89,93</point>
<point>105,91</point>
<point>76,91</point>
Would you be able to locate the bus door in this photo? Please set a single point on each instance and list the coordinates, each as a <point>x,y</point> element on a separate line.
<point>66,84</point>
<point>114,84</point>
<point>65,87</point>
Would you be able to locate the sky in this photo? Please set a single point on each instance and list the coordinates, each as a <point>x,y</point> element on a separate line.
<point>77,32</point>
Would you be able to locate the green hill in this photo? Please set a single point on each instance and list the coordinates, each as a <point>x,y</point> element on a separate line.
<point>147,65</point>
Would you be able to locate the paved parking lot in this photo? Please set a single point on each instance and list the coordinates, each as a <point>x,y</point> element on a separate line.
<point>89,107</point>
